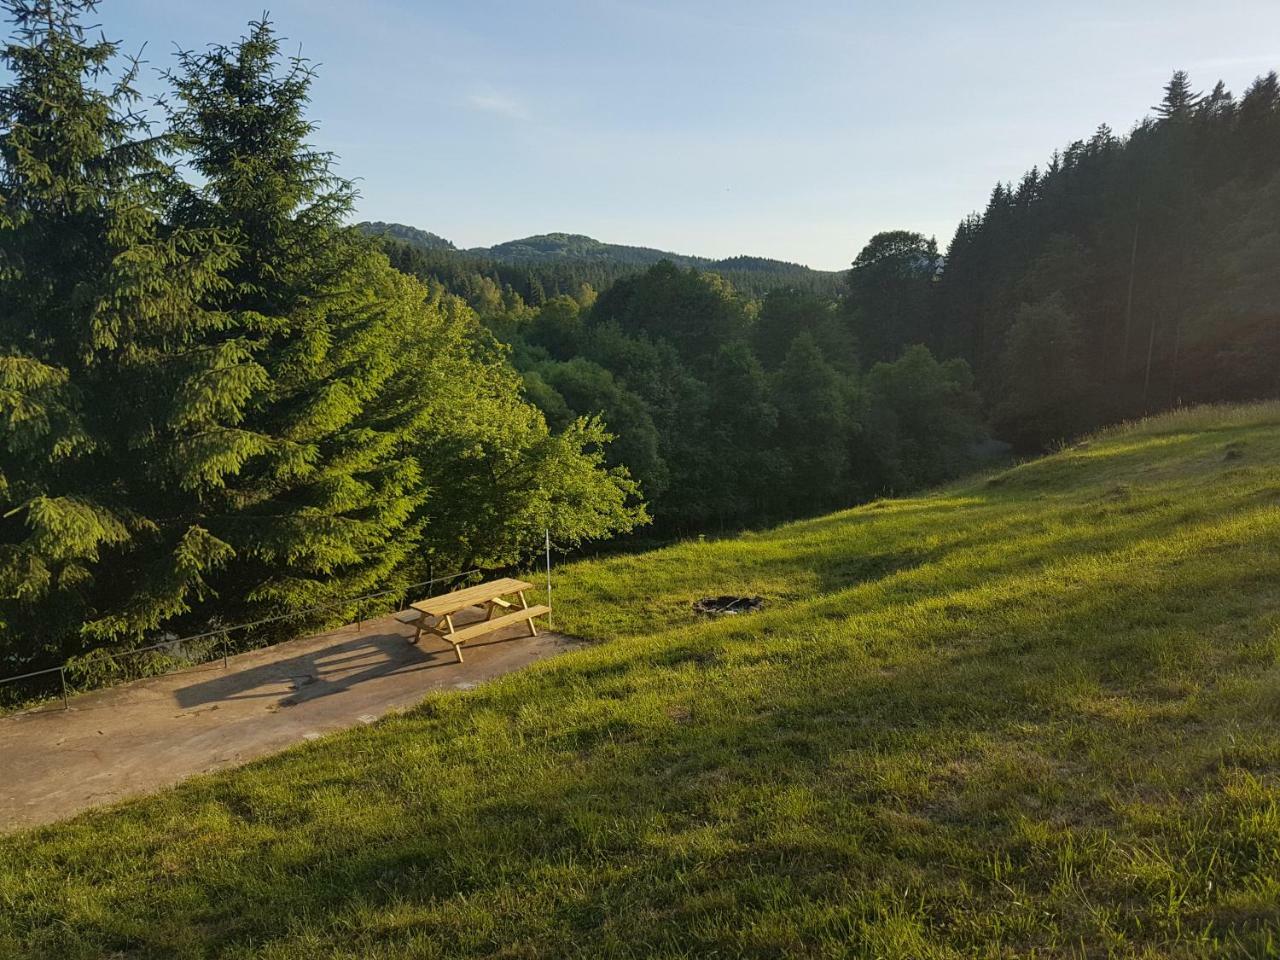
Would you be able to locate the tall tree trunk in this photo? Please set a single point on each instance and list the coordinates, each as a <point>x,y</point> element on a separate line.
<point>1128,306</point>
<point>1183,269</point>
<point>1146,379</point>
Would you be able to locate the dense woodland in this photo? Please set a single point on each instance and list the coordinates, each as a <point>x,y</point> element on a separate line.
<point>220,402</point>
<point>1130,274</point>
<point>536,269</point>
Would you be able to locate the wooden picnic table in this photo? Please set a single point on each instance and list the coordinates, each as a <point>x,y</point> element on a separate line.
<point>490,596</point>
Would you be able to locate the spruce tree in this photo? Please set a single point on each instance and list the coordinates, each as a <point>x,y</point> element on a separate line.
<point>219,401</point>
<point>1179,102</point>
<point>742,426</point>
<point>103,362</point>
<point>323,508</point>
<point>381,398</point>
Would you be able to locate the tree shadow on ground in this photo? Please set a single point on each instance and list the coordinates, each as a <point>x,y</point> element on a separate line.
<point>336,668</point>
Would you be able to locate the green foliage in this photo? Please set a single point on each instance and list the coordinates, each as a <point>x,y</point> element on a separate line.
<point>422,239</point>
<point>696,312</point>
<point>746,466</point>
<point>102,359</point>
<point>558,327</point>
<point>502,477</point>
<point>784,314</point>
<point>729,412</point>
<point>1046,392</point>
<point>815,424</point>
<point>559,263</point>
<point>891,285</point>
<point>582,385</point>
<point>1161,246</point>
<point>923,418</point>
<point>219,403</point>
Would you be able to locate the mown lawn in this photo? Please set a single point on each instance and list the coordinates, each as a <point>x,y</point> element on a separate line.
<point>1032,714</point>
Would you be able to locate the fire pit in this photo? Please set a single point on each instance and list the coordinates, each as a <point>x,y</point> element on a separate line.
<point>727,605</point>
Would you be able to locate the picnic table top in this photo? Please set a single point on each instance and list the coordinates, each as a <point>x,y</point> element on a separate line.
<point>448,603</point>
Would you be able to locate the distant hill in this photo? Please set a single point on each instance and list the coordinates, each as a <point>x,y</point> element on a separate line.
<point>751,275</point>
<point>421,239</point>
<point>575,246</point>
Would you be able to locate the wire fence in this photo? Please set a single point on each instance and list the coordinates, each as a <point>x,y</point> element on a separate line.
<point>178,647</point>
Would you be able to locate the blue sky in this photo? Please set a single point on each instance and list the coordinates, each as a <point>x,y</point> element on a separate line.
<point>792,130</point>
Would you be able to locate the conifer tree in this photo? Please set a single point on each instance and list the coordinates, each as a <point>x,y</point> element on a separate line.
<point>375,388</point>
<point>323,507</point>
<point>815,425</point>
<point>103,363</point>
<point>1179,102</point>
<point>742,426</point>
<point>217,400</point>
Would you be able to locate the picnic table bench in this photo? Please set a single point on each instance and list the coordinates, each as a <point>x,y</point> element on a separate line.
<point>435,614</point>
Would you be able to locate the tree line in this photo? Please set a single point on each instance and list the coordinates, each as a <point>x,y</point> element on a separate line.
<point>219,402</point>
<point>734,411</point>
<point>518,276</point>
<point>1130,274</point>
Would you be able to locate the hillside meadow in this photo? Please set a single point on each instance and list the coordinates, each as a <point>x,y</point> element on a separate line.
<point>1033,713</point>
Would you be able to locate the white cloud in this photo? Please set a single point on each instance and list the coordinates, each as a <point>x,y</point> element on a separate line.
<point>501,104</point>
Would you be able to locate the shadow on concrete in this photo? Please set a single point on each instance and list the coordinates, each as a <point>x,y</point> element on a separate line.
<point>331,669</point>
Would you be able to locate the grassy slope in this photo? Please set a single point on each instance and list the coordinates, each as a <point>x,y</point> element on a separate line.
<point>1032,713</point>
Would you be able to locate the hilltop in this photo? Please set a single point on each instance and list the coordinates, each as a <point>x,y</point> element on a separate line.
<point>421,239</point>
<point>575,246</point>
<point>1034,711</point>
<point>574,249</point>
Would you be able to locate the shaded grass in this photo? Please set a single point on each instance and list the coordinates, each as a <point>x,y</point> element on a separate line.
<point>1032,714</point>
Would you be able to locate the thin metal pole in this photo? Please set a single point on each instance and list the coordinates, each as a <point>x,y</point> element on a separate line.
<point>226,660</point>
<point>62,672</point>
<point>548,578</point>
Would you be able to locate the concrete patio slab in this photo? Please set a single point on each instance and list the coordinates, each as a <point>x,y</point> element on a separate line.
<point>139,737</point>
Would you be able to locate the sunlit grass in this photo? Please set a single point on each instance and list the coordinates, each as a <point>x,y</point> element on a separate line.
<point>1036,712</point>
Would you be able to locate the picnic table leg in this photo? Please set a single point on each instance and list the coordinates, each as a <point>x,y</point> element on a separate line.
<point>457,647</point>
<point>524,604</point>
<point>492,607</point>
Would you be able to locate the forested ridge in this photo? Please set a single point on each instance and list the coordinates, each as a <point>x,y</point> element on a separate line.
<point>221,402</point>
<point>539,267</point>
<point>1128,275</point>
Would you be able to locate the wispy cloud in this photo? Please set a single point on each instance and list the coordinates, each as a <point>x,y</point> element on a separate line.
<point>499,103</point>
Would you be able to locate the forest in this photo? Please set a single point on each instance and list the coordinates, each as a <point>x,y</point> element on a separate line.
<point>1131,274</point>
<point>538,268</point>
<point>222,402</point>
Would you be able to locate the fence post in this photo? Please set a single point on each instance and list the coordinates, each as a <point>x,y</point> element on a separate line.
<point>226,658</point>
<point>62,674</point>
<point>549,611</point>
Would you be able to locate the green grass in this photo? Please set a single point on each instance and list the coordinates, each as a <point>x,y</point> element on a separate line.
<point>1031,714</point>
